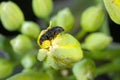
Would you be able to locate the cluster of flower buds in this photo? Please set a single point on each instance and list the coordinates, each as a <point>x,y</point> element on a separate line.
<point>12,19</point>
<point>58,49</point>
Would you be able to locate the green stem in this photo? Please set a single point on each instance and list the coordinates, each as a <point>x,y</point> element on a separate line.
<point>80,34</point>
<point>109,54</point>
<point>110,67</point>
<point>105,27</point>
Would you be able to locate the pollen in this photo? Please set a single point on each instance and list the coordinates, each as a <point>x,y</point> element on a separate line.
<point>46,44</point>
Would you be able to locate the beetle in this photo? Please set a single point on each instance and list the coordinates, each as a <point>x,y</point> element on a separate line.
<point>51,34</point>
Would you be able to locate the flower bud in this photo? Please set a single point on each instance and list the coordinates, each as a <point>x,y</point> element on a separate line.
<point>6,68</point>
<point>30,29</point>
<point>30,75</point>
<point>113,8</point>
<point>42,8</point>
<point>42,54</point>
<point>65,19</point>
<point>92,18</point>
<point>64,50</point>
<point>28,60</point>
<point>21,44</point>
<point>97,41</point>
<point>11,16</point>
<point>84,70</point>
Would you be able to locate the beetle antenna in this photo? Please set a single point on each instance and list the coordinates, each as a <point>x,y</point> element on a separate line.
<point>50,25</point>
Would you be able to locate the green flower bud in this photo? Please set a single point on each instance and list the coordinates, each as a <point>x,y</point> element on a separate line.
<point>30,75</point>
<point>6,68</point>
<point>92,18</point>
<point>97,41</point>
<point>84,70</point>
<point>30,29</point>
<point>21,44</point>
<point>113,8</point>
<point>28,60</point>
<point>65,19</point>
<point>11,16</point>
<point>60,52</point>
<point>42,8</point>
<point>42,54</point>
